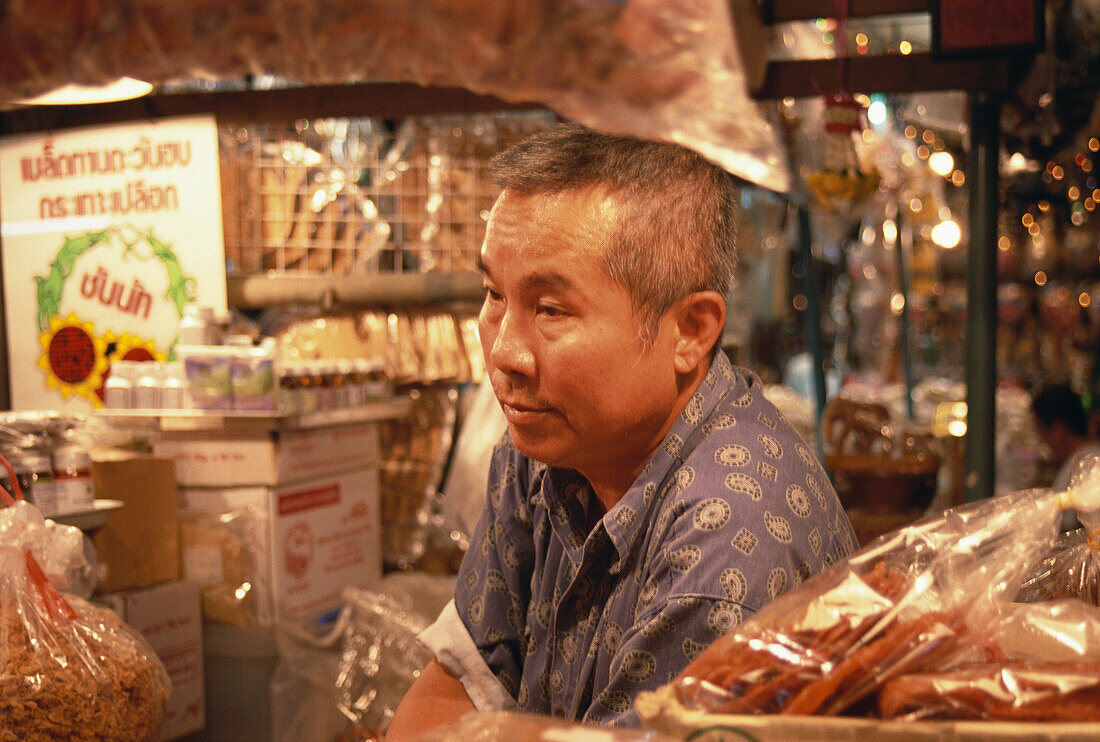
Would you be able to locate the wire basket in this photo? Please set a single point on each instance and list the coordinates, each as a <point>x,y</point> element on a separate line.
<point>339,196</point>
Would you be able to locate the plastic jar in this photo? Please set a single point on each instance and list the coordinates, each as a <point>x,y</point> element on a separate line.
<point>72,476</point>
<point>147,386</point>
<point>173,386</point>
<point>118,390</point>
<point>197,325</point>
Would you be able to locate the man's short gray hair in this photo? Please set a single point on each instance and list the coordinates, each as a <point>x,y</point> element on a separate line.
<point>679,226</point>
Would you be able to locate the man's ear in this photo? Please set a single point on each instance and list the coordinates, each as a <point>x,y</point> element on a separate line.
<point>700,320</point>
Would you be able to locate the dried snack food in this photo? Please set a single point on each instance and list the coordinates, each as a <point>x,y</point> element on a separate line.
<point>810,666</point>
<point>1022,691</point>
<point>913,600</point>
<point>69,670</point>
<point>84,677</point>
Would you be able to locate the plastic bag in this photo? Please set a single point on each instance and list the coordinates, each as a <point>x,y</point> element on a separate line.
<point>1070,570</point>
<point>515,725</point>
<point>910,600</point>
<point>68,669</point>
<point>344,680</point>
<point>381,654</point>
<point>1041,663</point>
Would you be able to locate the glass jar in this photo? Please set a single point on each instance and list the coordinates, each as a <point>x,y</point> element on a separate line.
<point>72,476</point>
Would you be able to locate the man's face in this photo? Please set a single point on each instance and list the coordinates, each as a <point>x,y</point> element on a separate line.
<point>562,348</point>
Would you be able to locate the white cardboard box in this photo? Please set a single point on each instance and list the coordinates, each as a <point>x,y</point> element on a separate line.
<point>170,619</point>
<point>323,535</point>
<point>232,459</point>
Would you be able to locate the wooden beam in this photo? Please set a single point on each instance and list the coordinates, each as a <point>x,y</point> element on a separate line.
<point>786,11</point>
<point>380,100</point>
<point>889,73</point>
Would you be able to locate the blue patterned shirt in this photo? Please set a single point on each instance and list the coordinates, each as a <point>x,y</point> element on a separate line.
<point>731,510</point>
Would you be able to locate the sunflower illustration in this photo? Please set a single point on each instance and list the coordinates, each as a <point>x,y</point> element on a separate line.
<point>126,347</point>
<point>73,358</point>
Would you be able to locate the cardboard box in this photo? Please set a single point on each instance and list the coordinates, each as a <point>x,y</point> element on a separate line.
<point>323,535</point>
<point>233,459</point>
<point>139,545</point>
<point>169,618</point>
<point>662,712</point>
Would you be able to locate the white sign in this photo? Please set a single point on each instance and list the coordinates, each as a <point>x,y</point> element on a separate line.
<point>107,233</point>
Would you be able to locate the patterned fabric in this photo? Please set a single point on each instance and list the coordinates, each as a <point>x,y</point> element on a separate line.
<point>732,510</point>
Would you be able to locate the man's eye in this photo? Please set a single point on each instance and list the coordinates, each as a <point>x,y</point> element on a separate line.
<point>549,311</point>
<point>492,295</point>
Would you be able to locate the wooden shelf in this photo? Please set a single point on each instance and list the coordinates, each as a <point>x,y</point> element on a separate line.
<point>256,422</point>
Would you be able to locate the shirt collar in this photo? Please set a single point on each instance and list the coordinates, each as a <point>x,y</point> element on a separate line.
<point>625,521</point>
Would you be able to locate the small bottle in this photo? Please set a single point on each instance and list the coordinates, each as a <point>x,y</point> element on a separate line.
<point>173,387</point>
<point>342,384</point>
<point>324,371</point>
<point>147,386</point>
<point>376,385</point>
<point>118,390</point>
<point>309,383</point>
<point>196,326</point>
<point>72,476</point>
<point>290,382</point>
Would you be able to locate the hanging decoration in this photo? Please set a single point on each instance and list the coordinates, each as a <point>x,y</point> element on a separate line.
<point>842,179</point>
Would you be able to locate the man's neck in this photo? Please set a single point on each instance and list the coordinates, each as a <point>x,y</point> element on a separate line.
<point>611,485</point>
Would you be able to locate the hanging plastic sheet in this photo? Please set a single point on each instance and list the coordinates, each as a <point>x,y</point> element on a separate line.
<point>660,69</point>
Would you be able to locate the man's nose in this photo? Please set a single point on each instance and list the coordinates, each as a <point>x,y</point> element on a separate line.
<point>511,350</point>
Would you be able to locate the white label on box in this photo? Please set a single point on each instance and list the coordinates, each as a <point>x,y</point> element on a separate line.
<point>203,565</point>
<point>325,537</point>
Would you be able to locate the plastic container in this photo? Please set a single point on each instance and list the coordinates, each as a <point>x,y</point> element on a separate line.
<point>72,475</point>
<point>36,479</point>
<point>253,376</point>
<point>146,393</point>
<point>289,384</point>
<point>238,665</point>
<point>209,373</point>
<point>118,390</point>
<point>173,386</point>
<point>197,326</point>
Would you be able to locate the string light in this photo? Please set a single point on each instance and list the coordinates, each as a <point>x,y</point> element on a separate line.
<point>1040,278</point>
<point>905,47</point>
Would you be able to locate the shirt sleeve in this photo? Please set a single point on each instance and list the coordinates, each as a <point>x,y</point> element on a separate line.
<point>453,648</point>
<point>493,588</point>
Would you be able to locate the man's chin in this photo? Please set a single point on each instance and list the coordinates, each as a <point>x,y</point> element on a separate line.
<point>538,448</point>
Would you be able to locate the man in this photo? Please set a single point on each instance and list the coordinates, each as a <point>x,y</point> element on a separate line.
<point>646,497</point>
<point>1062,425</point>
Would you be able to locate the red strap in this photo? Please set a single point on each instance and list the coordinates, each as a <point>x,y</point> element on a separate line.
<point>56,605</point>
<point>15,488</point>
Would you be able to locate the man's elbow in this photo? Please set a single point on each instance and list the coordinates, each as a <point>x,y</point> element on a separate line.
<point>435,698</point>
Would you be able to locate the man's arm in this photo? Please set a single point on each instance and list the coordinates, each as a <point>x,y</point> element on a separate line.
<point>435,698</point>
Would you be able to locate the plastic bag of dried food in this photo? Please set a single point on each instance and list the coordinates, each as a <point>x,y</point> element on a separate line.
<point>509,725</point>
<point>1070,570</point>
<point>910,600</point>
<point>1041,662</point>
<point>69,670</point>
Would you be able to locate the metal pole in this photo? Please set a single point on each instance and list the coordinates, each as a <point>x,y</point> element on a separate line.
<point>812,318</point>
<point>901,247</point>
<point>981,311</point>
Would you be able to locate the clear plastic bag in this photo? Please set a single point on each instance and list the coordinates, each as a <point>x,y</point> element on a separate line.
<point>514,725</point>
<point>911,600</point>
<point>68,669</point>
<point>1040,662</point>
<point>1070,570</point>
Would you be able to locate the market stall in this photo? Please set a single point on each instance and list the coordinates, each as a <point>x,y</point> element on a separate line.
<point>331,379</point>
